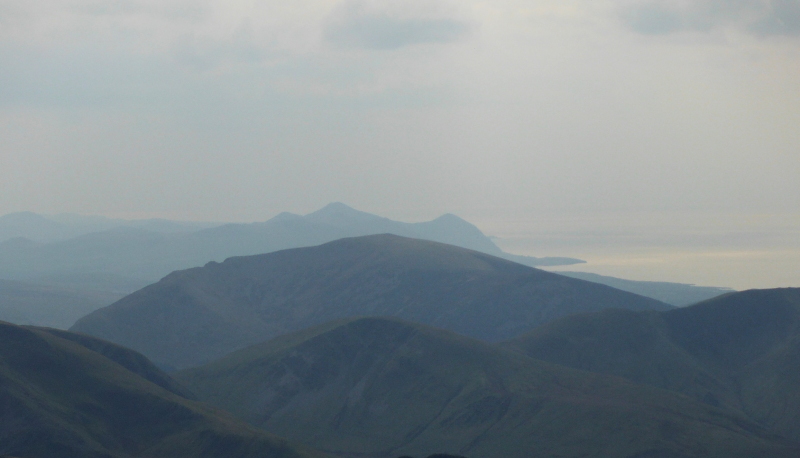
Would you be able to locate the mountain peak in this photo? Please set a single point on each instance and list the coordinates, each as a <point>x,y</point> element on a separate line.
<point>337,213</point>
<point>334,207</point>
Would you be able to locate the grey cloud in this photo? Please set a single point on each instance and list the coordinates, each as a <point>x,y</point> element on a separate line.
<point>653,19</point>
<point>239,48</point>
<point>176,11</point>
<point>784,19</point>
<point>360,29</point>
<point>762,17</point>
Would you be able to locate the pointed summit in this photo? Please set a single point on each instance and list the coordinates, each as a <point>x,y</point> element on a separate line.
<point>339,214</point>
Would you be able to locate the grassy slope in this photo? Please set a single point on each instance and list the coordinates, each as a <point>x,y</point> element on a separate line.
<point>740,351</point>
<point>382,387</point>
<point>61,399</point>
<point>197,315</point>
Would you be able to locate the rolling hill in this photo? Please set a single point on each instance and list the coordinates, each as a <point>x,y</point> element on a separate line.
<point>377,387</point>
<point>740,351</point>
<point>194,316</point>
<point>69,396</point>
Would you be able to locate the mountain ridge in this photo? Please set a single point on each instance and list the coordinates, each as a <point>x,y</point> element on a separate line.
<point>740,351</point>
<point>62,399</point>
<point>381,387</point>
<point>224,306</point>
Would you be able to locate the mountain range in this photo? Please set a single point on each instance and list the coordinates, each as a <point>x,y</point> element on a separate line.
<point>194,316</point>
<point>88,256</point>
<point>69,396</point>
<point>378,387</point>
<point>143,255</point>
<point>740,351</point>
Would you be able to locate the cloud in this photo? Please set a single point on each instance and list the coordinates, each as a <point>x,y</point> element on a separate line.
<point>362,25</point>
<point>759,17</point>
<point>653,19</point>
<point>784,19</point>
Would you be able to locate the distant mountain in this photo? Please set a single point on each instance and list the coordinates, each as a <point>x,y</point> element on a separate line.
<point>740,351</point>
<point>140,253</point>
<point>678,294</point>
<point>49,305</point>
<point>194,316</point>
<point>32,226</point>
<point>70,396</point>
<point>51,228</point>
<point>376,387</point>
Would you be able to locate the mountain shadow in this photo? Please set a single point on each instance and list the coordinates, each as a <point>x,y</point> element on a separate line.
<point>69,396</point>
<point>740,351</point>
<point>197,315</point>
<point>378,387</point>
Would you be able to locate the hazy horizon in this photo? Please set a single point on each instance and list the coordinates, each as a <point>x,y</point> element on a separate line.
<point>657,139</point>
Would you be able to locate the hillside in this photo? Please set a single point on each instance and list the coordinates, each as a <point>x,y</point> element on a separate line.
<point>377,387</point>
<point>77,397</point>
<point>194,316</point>
<point>740,351</point>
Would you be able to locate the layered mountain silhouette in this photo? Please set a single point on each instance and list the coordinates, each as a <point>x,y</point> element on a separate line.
<point>90,255</point>
<point>52,228</point>
<point>194,316</point>
<point>69,396</point>
<point>382,387</point>
<point>740,351</point>
<point>143,255</point>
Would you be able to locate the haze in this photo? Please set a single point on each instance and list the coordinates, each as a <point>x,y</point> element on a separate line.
<point>658,140</point>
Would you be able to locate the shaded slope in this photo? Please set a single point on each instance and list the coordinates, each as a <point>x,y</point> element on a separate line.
<point>740,351</point>
<point>59,399</point>
<point>196,315</point>
<point>382,387</point>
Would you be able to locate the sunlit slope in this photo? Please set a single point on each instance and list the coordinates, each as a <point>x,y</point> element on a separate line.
<point>382,387</point>
<point>740,351</point>
<point>194,316</point>
<point>59,398</point>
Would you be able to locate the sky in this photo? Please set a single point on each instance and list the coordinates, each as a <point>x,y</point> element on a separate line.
<point>561,127</point>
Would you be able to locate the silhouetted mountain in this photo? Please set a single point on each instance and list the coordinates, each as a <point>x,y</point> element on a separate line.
<point>49,305</point>
<point>68,396</point>
<point>53,228</point>
<point>196,315</point>
<point>678,294</point>
<point>377,387</point>
<point>740,351</point>
<point>32,226</point>
<point>140,255</point>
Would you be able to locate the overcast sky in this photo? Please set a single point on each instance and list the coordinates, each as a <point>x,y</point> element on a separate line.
<point>563,126</point>
<point>237,110</point>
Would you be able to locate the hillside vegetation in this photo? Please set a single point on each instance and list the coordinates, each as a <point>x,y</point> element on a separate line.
<point>378,387</point>
<point>70,396</point>
<point>740,351</point>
